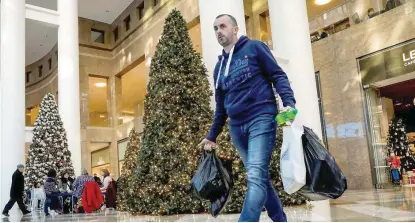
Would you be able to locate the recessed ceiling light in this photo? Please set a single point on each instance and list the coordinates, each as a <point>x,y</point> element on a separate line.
<point>102,116</point>
<point>101,84</point>
<point>321,2</point>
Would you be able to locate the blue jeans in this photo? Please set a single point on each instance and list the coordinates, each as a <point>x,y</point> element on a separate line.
<point>255,142</point>
<point>51,202</point>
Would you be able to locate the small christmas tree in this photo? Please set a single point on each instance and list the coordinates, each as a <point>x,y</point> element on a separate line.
<point>49,149</point>
<point>130,164</point>
<point>399,145</point>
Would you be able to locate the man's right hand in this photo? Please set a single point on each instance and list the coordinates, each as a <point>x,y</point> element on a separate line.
<point>207,145</point>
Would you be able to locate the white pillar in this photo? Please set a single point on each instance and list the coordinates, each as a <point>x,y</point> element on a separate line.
<point>291,42</point>
<point>68,77</point>
<point>12,92</point>
<point>209,10</point>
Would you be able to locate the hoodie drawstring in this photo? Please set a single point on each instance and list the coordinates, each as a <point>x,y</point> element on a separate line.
<point>228,64</point>
<point>220,68</point>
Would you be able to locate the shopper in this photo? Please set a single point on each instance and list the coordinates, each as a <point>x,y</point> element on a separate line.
<point>79,184</point>
<point>391,4</point>
<point>370,13</point>
<point>66,183</point>
<point>109,189</point>
<point>107,179</point>
<point>51,190</point>
<point>16,192</point>
<point>97,179</point>
<point>243,80</point>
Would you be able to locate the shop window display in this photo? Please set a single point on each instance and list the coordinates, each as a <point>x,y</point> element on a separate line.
<point>98,102</point>
<point>31,115</point>
<point>100,160</point>
<point>122,147</point>
<point>401,158</point>
<point>388,81</point>
<point>131,89</point>
<point>392,127</point>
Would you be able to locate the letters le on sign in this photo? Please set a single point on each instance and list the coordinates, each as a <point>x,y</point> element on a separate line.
<point>388,63</point>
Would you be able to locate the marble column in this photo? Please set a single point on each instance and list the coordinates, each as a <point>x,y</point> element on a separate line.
<point>12,87</point>
<point>68,78</point>
<point>292,46</point>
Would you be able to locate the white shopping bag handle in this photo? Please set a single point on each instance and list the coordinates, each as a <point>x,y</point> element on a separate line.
<point>297,125</point>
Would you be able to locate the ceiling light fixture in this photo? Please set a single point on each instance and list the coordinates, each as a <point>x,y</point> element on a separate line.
<point>321,2</point>
<point>101,84</point>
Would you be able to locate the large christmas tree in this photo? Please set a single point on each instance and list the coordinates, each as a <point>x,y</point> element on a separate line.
<point>399,145</point>
<point>49,148</point>
<point>177,117</point>
<point>130,164</point>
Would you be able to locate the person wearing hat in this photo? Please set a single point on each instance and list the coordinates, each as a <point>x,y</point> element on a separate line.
<point>16,192</point>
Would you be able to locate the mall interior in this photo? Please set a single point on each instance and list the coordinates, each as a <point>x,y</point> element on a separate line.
<point>351,64</point>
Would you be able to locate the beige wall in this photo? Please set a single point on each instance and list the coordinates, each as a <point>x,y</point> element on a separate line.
<point>336,60</point>
<point>38,87</point>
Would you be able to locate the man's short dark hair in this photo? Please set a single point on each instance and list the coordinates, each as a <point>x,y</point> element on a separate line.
<point>52,173</point>
<point>233,20</point>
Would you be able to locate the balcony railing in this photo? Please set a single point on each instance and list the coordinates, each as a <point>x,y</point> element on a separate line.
<point>328,18</point>
<point>350,13</point>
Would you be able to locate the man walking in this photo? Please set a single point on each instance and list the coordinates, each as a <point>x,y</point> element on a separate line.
<point>243,79</point>
<point>16,192</point>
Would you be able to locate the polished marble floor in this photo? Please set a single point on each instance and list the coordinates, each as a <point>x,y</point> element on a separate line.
<point>362,206</point>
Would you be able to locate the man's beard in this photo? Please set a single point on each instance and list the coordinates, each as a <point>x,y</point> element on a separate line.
<point>225,42</point>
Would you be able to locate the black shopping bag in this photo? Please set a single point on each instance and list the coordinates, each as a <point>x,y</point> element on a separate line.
<point>324,178</point>
<point>212,182</point>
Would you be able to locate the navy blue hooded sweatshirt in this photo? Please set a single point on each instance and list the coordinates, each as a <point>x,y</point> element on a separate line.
<point>246,91</point>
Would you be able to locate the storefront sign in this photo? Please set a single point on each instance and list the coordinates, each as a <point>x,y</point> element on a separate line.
<point>390,63</point>
<point>410,60</point>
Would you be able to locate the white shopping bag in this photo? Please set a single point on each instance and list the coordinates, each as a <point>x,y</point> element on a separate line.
<point>292,164</point>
